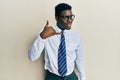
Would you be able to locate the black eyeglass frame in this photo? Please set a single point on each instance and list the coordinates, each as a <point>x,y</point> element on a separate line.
<point>68,17</point>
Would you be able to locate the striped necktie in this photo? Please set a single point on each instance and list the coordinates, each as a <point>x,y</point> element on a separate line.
<point>62,66</point>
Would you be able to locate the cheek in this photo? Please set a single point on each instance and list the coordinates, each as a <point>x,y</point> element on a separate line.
<point>63,22</point>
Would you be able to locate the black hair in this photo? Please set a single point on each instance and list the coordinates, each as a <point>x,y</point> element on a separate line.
<point>61,7</point>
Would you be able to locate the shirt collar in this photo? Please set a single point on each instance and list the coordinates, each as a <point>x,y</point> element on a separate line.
<point>57,29</point>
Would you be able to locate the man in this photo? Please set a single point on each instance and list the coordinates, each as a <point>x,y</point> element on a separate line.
<point>63,50</point>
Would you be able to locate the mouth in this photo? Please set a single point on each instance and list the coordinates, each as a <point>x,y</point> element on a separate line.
<point>69,24</point>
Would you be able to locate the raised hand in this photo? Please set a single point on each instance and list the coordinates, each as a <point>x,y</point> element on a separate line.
<point>48,31</point>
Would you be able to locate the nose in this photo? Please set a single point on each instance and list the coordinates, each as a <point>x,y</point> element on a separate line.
<point>69,20</point>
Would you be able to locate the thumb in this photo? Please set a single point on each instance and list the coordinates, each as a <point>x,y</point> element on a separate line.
<point>47,23</point>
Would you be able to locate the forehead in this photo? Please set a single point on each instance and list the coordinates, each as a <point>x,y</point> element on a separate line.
<point>66,12</point>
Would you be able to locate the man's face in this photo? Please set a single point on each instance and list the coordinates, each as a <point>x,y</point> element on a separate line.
<point>66,18</point>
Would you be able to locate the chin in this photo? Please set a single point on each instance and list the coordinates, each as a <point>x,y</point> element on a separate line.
<point>68,28</point>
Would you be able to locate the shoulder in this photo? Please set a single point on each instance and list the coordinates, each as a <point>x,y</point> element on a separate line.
<point>74,33</point>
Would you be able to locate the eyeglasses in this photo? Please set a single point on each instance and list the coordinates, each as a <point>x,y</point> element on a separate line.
<point>68,17</point>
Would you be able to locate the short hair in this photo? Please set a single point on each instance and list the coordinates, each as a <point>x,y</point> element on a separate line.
<point>61,7</point>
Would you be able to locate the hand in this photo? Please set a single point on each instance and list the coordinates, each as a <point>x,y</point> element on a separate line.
<point>48,31</point>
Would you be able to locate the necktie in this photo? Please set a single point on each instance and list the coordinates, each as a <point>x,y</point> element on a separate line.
<point>62,66</point>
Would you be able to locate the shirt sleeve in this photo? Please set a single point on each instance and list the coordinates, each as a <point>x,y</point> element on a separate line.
<point>80,61</point>
<point>36,49</point>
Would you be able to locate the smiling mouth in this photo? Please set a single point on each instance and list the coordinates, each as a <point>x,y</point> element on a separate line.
<point>68,23</point>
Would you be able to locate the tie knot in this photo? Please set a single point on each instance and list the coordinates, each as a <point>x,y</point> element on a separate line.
<point>62,35</point>
<point>62,32</point>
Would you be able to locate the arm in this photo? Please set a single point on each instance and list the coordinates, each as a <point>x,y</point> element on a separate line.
<point>38,45</point>
<point>80,62</point>
<point>35,51</point>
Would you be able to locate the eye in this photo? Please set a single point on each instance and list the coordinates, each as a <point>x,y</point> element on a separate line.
<point>72,16</point>
<point>68,17</point>
<point>65,17</point>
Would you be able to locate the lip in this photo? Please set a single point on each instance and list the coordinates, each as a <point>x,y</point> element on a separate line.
<point>69,24</point>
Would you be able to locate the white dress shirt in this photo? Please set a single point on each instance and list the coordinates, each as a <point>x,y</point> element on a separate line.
<point>74,54</point>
